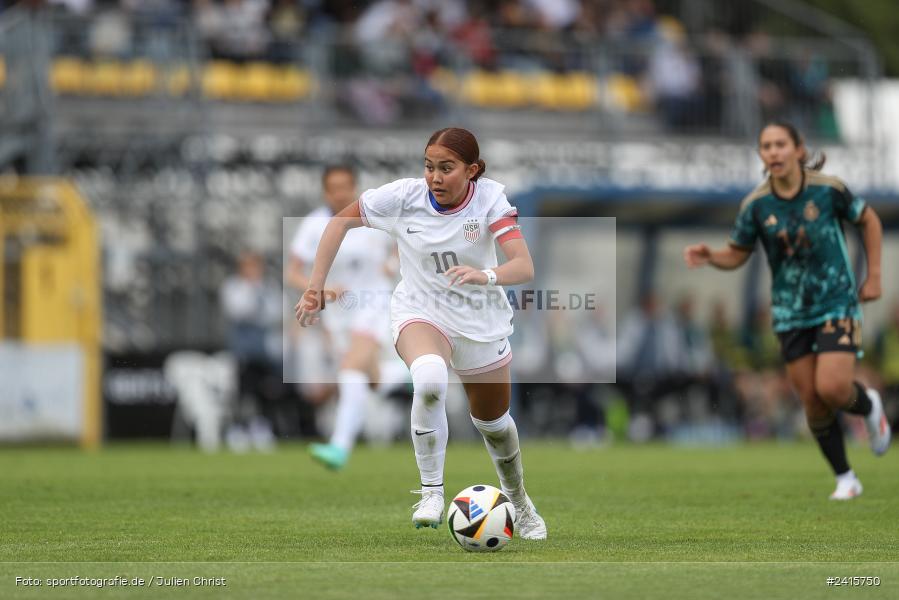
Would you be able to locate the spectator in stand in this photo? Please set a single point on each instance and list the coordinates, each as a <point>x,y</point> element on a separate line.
<point>514,15</point>
<point>769,406</point>
<point>674,77</point>
<point>234,30</point>
<point>699,359</point>
<point>286,20</point>
<point>651,361</point>
<point>810,95</point>
<point>773,76</point>
<point>251,305</point>
<point>631,20</point>
<point>555,15</point>
<point>729,357</point>
<point>474,37</point>
<point>595,344</point>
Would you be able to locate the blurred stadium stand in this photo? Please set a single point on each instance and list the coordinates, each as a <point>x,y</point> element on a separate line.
<point>192,128</point>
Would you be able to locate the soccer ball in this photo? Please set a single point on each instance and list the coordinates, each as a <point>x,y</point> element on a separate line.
<point>481,518</point>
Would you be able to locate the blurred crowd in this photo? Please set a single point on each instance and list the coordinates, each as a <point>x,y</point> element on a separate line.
<point>383,54</point>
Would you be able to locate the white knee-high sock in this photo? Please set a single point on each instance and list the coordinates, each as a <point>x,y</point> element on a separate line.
<point>429,426</point>
<point>353,388</point>
<point>501,439</point>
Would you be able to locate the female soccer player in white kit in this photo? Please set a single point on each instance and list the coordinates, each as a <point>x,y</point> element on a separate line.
<point>358,323</point>
<point>448,309</point>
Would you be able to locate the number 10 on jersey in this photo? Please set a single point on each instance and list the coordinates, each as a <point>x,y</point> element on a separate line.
<point>443,260</point>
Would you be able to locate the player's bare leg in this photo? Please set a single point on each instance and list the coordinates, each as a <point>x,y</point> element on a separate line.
<point>824,425</point>
<point>836,385</point>
<point>489,395</point>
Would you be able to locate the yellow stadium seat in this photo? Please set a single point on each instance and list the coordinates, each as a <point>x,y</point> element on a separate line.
<point>546,90</point>
<point>178,80</point>
<point>475,88</point>
<point>290,84</point>
<point>139,78</point>
<point>2,72</point>
<point>571,91</point>
<point>68,75</point>
<point>495,90</point>
<point>221,80</point>
<point>255,82</point>
<point>509,89</point>
<point>624,93</point>
<point>445,82</point>
<point>106,78</point>
<point>579,91</point>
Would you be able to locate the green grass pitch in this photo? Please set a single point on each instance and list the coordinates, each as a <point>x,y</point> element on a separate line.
<point>749,521</point>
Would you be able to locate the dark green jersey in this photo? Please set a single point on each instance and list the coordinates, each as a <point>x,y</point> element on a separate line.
<point>812,279</point>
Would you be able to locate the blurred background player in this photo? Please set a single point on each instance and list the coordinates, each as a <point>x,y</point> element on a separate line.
<point>357,323</point>
<point>446,311</point>
<point>797,213</point>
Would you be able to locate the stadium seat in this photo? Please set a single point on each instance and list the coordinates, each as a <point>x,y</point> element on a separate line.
<point>624,93</point>
<point>495,90</point>
<point>68,75</point>
<point>290,84</point>
<point>546,90</point>
<point>2,72</point>
<point>571,91</point>
<point>509,90</point>
<point>445,81</point>
<point>255,82</point>
<point>476,88</point>
<point>221,80</point>
<point>178,80</point>
<point>139,78</point>
<point>580,91</point>
<point>105,78</point>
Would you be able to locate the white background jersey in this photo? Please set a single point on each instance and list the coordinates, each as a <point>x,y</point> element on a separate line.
<point>358,267</point>
<point>430,242</point>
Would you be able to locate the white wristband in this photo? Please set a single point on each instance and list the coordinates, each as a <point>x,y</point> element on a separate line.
<point>491,276</point>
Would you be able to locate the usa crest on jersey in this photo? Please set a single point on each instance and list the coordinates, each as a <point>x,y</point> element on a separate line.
<point>472,230</point>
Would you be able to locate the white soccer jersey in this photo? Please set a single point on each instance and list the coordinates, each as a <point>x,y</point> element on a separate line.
<point>358,268</point>
<point>432,240</point>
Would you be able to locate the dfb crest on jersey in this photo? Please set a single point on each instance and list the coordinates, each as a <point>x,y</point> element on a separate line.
<point>472,230</point>
<point>810,212</point>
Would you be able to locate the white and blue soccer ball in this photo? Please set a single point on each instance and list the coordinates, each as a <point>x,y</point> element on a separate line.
<point>481,518</point>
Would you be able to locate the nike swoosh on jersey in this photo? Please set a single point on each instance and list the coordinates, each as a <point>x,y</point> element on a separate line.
<point>503,349</point>
<point>409,230</point>
<point>417,432</point>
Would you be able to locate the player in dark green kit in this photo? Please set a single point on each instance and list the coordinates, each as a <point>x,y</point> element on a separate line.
<point>797,215</point>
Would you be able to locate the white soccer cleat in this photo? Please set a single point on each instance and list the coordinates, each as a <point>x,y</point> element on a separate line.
<point>879,432</point>
<point>428,510</point>
<point>530,525</point>
<point>847,489</point>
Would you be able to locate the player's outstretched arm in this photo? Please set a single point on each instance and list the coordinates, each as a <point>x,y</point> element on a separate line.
<point>872,237</point>
<point>518,268</point>
<point>727,258</point>
<point>296,273</point>
<point>312,302</point>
